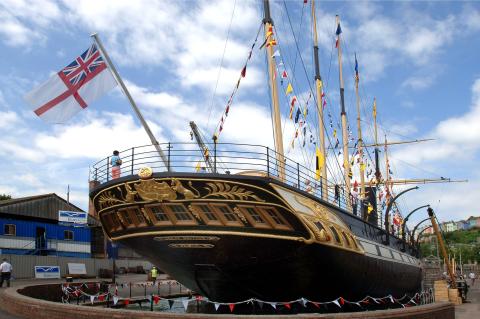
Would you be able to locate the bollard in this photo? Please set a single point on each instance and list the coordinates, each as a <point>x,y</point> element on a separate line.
<point>145,290</point>
<point>151,302</point>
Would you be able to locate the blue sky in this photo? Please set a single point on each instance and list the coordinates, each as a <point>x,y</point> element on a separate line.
<point>420,59</point>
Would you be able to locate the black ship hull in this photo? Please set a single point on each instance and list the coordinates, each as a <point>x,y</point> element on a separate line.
<point>253,237</point>
<point>272,270</point>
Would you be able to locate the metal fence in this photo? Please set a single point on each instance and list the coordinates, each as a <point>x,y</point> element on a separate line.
<point>219,158</point>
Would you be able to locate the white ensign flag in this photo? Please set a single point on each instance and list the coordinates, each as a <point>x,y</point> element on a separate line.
<point>73,88</point>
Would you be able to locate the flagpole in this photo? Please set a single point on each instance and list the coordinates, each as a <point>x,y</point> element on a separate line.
<point>132,102</point>
<point>319,91</point>
<point>346,160</point>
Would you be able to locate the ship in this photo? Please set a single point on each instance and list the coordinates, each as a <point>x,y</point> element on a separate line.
<point>254,223</point>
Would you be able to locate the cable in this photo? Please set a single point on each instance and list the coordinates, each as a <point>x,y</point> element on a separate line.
<point>221,64</point>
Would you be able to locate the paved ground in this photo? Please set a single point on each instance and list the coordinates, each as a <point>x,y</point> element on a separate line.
<point>471,309</point>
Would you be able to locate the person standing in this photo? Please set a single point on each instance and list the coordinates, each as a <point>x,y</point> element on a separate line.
<point>154,273</point>
<point>6,269</point>
<point>116,162</point>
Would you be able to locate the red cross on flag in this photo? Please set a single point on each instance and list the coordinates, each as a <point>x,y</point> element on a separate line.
<point>73,88</point>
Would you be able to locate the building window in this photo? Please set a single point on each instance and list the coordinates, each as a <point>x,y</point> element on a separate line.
<point>275,218</point>
<point>140,217</point>
<point>126,218</point>
<point>68,234</point>
<point>10,230</point>
<point>320,226</point>
<point>335,234</point>
<point>208,213</point>
<point>227,213</point>
<point>180,212</point>
<point>160,213</point>
<point>255,215</point>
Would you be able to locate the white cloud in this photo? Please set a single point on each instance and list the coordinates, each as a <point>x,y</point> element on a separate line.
<point>8,119</point>
<point>418,82</point>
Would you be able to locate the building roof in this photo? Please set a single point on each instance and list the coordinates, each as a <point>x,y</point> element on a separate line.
<point>44,206</point>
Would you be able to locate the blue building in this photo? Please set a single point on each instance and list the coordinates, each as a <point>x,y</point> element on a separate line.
<point>30,226</point>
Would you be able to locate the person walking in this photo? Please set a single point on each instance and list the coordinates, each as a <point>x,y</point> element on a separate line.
<point>471,275</point>
<point>6,269</point>
<point>153,274</point>
<point>116,162</point>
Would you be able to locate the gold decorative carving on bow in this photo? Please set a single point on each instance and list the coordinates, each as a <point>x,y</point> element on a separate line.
<point>318,209</point>
<point>108,199</point>
<point>151,190</point>
<point>179,188</point>
<point>194,212</point>
<point>227,191</point>
<point>240,215</point>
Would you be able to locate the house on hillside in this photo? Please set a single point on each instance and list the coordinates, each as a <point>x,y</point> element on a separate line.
<point>448,226</point>
<point>462,225</point>
<point>473,222</point>
<point>30,226</point>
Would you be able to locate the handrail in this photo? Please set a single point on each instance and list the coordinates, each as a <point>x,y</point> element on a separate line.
<point>231,158</point>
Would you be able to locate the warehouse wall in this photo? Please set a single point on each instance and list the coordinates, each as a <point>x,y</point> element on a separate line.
<point>23,266</point>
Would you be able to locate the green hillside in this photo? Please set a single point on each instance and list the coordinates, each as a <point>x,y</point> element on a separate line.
<point>460,242</point>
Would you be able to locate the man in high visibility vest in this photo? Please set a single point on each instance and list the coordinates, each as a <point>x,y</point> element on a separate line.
<point>153,274</point>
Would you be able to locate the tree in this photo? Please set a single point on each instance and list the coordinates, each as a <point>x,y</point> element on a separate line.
<point>5,197</point>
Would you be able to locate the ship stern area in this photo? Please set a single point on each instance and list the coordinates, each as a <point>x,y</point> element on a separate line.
<point>231,238</point>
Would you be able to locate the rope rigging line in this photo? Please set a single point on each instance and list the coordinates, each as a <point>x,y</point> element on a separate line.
<point>306,74</point>
<point>221,64</point>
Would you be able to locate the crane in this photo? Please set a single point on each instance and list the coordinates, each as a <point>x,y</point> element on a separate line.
<point>205,152</point>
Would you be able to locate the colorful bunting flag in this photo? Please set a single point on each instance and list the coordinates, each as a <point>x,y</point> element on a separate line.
<point>297,116</point>
<point>318,163</point>
<point>231,306</point>
<point>356,68</point>
<point>289,89</point>
<point>244,71</point>
<point>374,107</point>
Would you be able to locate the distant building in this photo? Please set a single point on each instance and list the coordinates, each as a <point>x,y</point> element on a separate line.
<point>30,226</point>
<point>449,226</point>
<point>473,222</point>
<point>462,225</point>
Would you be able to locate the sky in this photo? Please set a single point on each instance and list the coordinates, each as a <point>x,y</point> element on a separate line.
<point>418,58</point>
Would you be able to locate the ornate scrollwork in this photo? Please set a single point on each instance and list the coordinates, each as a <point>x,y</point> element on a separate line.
<point>109,199</point>
<point>194,212</point>
<point>227,191</point>
<point>240,215</point>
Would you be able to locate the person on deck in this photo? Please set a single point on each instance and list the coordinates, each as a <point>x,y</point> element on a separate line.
<point>116,162</point>
<point>6,269</point>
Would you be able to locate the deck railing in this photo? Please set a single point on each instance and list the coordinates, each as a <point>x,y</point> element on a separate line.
<point>224,158</point>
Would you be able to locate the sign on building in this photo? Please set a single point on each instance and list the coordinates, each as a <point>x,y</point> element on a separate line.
<point>76,269</point>
<point>46,272</point>
<point>65,216</point>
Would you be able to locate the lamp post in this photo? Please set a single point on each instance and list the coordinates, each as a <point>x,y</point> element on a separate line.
<point>387,213</point>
